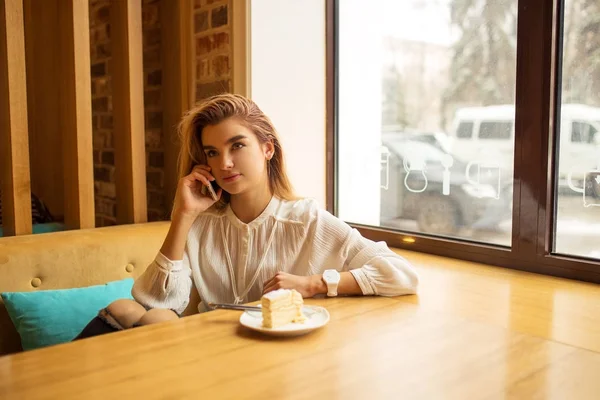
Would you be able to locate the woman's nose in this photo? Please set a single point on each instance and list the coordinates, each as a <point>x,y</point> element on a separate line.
<point>226,162</point>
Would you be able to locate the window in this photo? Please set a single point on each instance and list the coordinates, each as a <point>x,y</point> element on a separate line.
<point>443,143</point>
<point>582,132</point>
<point>414,88</point>
<point>577,212</point>
<point>495,130</point>
<point>464,130</point>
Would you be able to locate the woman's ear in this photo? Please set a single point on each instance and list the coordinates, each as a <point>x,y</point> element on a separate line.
<point>269,148</point>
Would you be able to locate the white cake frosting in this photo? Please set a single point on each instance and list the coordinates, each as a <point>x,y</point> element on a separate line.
<point>281,307</point>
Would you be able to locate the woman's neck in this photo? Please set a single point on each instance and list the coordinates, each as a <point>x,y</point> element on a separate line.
<point>249,205</point>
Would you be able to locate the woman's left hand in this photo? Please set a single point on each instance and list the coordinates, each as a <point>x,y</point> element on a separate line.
<point>307,286</point>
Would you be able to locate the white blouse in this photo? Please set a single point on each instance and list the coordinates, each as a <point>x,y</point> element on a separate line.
<point>229,260</point>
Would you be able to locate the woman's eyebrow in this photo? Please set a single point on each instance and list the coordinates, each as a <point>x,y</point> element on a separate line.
<point>230,140</point>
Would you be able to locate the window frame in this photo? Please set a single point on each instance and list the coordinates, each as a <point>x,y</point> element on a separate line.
<point>536,125</point>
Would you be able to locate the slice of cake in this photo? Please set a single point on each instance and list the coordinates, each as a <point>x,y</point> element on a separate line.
<point>282,306</point>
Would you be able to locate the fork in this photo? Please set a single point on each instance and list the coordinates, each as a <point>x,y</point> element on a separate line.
<point>237,307</point>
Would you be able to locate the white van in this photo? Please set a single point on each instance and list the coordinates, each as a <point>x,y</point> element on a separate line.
<point>487,134</point>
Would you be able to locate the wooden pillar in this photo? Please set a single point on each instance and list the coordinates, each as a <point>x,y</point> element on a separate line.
<point>14,141</point>
<point>128,110</point>
<point>42,56</point>
<point>76,113</point>
<point>178,81</point>
<point>241,44</point>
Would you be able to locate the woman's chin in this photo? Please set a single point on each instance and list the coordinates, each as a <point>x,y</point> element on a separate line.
<point>234,190</point>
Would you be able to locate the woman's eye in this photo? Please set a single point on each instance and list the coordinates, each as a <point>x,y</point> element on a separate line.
<point>211,153</point>
<point>238,145</point>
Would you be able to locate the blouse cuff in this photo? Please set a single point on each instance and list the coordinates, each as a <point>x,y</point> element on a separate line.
<point>363,281</point>
<point>168,265</point>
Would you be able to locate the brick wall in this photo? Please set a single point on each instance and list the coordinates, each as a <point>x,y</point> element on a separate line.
<point>104,155</point>
<point>153,110</point>
<point>212,30</point>
<point>212,39</point>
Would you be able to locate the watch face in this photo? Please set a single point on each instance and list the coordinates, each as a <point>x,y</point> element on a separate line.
<point>330,275</point>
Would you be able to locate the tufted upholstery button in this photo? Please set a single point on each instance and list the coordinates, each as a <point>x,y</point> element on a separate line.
<point>36,282</point>
<point>129,268</point>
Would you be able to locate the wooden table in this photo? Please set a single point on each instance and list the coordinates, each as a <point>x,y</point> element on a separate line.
<point>427,347</point>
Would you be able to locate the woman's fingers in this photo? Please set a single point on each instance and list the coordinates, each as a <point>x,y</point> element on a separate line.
<point>275,282</point>
<point>271,287</point>
<point>270,284</point>
<point>197,176</point>
<point>267,283</point>
<point>205,170</point>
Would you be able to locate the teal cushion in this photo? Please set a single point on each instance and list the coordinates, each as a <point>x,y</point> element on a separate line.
<point>43,228</point>
<point>48,317</point>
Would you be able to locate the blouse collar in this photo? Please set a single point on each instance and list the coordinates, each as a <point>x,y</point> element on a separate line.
<point>269,210</point>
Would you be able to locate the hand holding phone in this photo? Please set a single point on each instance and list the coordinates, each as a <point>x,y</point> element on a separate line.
<point>193,196</point>
<point>211,189</point>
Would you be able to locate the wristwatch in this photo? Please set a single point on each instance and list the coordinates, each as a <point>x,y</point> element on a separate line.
<point>331,278</point>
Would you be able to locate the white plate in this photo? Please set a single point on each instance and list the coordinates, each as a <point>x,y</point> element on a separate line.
<point>316,317</point>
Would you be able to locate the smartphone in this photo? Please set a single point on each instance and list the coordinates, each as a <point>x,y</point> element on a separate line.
<point>211,189</point>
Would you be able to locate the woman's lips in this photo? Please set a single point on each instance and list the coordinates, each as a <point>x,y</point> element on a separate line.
<point>231,178</point>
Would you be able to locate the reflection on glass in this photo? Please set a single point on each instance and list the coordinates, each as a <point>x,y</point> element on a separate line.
<point>432,81</point>
<point>577,219</point>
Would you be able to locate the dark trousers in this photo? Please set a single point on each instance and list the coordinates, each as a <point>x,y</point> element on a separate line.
<point>104,323</point>
<point>99,325</point>
<point>96,327</point>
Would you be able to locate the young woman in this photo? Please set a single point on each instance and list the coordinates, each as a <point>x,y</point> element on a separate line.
<point>256,237</point>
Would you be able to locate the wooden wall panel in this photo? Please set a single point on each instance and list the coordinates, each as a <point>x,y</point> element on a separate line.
<point>14,142</point>
<point>178,80</point>
<point>128,111</point>
<point>45,139</point>
<point>241,39</point>
<point>76,113</point>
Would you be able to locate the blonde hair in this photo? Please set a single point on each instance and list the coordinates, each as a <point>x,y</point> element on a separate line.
<point>216,109</point>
